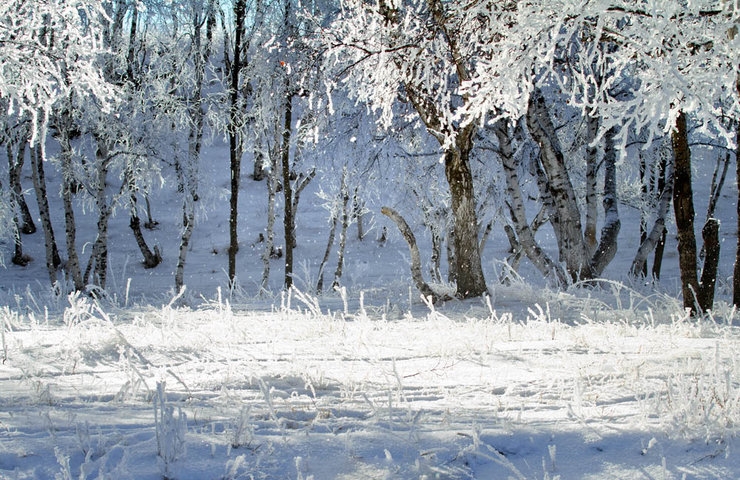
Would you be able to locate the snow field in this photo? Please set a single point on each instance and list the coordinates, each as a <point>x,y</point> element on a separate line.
<point>299,391</point>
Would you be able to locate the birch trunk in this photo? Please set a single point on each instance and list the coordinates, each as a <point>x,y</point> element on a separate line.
<point>189,180</point>
<point>344,192</point>
<point>327,253</point>
<point>607,247</point>
<point>270,228</point>
<point>658,231</point>
<point>565,215</point>
<point>524,233</point>
<point>408,235</point>
<point>151,258</point>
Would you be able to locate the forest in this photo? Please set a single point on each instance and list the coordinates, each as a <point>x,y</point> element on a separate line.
<point>498,103</point>
<point>307,239</point>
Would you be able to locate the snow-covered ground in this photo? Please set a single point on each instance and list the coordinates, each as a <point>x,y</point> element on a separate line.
<point>463,392</point>
<point>612,381</point>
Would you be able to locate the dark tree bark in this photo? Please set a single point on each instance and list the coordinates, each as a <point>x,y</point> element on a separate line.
<point>288,214</point>
<point>592,168</point>
<point>68,187</point>
<point>710,236</point>
<point>235,137</point>
<point>15,167</point>
<point>53,260</point>
<point>468,266</point>
<point>683,206</point>
<point>151,258</point>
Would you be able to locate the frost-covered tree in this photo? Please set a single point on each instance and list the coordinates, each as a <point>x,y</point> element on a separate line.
<point>420,52</point>
<point>48,55</point>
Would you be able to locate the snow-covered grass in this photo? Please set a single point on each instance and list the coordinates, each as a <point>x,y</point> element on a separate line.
<point>585,384</point>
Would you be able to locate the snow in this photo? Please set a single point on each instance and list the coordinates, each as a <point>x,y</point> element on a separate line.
<point>294,394</point>
<point>611,381</point>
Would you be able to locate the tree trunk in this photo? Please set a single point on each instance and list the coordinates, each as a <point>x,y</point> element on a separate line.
<point>467,265</point>
<point>269,248</point>
<point>151,258</point>
<point>524,233</point>
<point>644,194</point>
<point>665,181</point>
<point>327,252</point>
<point>288,214</point>
<point>565,215</point>
<point>68,181</point>
<point>736,270</point>
<point>710,235</point>
<point>408,235</point>
<point>235,137</point>
<point>189,176</point>
<point>100,247</point>
<point>358,212</point>
<point>344,192</point>
<point>38,176</point>
<point>15,167</point>
<point>17,202</point>
<point>683,206</point>
<point>592,168</point>
<point>657,233</point>
<point>607,247</point>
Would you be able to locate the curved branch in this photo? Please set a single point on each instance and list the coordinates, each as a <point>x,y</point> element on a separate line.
<point>416,274</point>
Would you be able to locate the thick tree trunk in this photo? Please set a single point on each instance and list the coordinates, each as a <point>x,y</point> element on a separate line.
<point>468,268</point>
<point>100,247</point>
<point>683,206</point>
<point>644,192</point>
<point>408,235</point>
<point>38,176</point>
<point>17,202</point>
